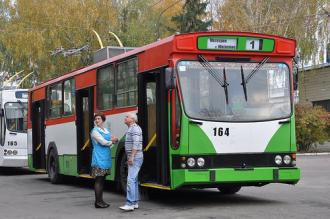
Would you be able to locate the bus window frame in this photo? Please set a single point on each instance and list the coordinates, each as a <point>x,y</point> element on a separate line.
<point>73,112</point>
<point>113,104</point>
<point>48,96</point>
<point>128,91</point>
<point>6,126</point>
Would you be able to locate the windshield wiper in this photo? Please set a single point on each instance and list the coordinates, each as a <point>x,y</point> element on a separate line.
<point>223,83</point>
<point>243,83</point>
<point>256,69</point>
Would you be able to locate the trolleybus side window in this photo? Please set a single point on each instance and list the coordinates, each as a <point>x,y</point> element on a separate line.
<point>126,91</point>
<point>55,100</point>
<point>2,128</point>
<point>69,97</point>
<point>105,88</point>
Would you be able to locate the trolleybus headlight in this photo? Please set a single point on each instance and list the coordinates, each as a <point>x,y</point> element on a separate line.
<point>287,159</point>
<point>183,165</point>
<point>14,152</point>
<point>200,162</point>
<point>191,162</point>
<point>9,152</point>
<point>278,159</point>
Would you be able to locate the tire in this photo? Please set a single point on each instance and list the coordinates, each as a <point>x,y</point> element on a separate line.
<point>122,173</point>
<point>53,168</point>
<point>229,189</point>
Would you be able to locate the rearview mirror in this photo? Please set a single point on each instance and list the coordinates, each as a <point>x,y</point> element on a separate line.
<point>170,78</point>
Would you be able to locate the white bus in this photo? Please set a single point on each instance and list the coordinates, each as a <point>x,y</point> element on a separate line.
<point>13,127</point>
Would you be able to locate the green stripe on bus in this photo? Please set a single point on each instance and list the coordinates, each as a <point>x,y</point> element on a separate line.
<point>280,142</point>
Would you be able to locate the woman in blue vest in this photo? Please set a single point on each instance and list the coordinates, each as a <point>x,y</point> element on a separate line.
<point>101,157</point>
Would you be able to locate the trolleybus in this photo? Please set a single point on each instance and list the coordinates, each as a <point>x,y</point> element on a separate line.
<point>13,127</point>
<point>216,110</point>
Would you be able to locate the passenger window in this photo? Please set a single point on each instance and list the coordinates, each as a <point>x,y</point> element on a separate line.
<point>126,91</point>
<point>69,98</point>
<point>55,100</point>
<point>105,88</point>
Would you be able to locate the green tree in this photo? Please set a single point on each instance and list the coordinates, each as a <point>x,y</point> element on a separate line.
<point>192,17</point>
<point>312,126</point>
<point>31,31</point>
<point>300,20</point>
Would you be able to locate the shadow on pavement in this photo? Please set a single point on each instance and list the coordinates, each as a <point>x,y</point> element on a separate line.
<point>202,197</point>
<point>15,171</point>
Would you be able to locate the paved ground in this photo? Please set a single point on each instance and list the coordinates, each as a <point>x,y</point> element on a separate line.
<point>28,195</point>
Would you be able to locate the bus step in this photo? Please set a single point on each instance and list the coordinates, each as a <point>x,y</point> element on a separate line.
<point>40,171</point>
<point>85,176</point>
<point>155,185</point>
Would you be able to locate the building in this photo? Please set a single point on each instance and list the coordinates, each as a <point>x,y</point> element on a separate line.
<point>314,85</point>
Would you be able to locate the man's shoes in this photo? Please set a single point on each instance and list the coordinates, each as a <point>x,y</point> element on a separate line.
<point>136,206</point>
<point>101,205</point>
<point>127,207</point>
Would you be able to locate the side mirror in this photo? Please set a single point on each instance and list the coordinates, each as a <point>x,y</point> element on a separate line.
<point>170,78</point>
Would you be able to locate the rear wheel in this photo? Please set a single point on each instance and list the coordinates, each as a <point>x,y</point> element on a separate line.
<point>229,189</point>
<point>53,168</point>
<point>123,171</point>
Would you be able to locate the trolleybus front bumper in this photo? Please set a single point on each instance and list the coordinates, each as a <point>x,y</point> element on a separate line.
<point>242,176</point>
<point>14,161</point>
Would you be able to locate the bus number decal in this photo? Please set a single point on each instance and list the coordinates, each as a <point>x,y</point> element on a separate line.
<point>220,131</point>
<point>12,143</point>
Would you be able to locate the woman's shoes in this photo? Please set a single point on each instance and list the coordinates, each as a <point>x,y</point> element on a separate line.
<point>101,204</point>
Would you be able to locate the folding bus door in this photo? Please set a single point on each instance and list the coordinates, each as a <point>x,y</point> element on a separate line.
<point>84,102</point>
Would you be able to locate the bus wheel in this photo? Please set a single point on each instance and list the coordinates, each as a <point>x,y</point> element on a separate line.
<point>53,168</point>
<point>122,176</point>
<point>229,190</point>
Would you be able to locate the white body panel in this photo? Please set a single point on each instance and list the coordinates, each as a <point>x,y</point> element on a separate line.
<point>65,137</point>
<point>116,124</point>
<point>250,137</point>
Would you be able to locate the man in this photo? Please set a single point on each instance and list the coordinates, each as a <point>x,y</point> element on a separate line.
<point>133,149</point>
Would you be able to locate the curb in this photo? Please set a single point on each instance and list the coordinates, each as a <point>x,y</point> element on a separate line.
<point>313,154</point>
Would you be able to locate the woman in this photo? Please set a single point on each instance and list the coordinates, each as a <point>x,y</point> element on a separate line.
<point>101,157</point>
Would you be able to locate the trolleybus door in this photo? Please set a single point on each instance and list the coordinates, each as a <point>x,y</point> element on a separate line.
<point>84,102</point>
<point>152,116</point>
<point>38,135</point>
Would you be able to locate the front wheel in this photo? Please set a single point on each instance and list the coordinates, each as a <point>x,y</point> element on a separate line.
<point>229,189</point>
<point>53,168</point>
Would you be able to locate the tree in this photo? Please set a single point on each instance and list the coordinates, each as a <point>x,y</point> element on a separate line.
<point>192,17</point>
<point>35,33</point>
<point>300,20</point>
<point>312,126</point>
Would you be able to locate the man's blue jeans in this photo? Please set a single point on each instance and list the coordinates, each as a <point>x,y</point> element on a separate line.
<point>132,182</point>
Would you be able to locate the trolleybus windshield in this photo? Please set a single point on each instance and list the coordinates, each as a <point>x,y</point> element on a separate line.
<point>16,116</point>
<point>267,94</point>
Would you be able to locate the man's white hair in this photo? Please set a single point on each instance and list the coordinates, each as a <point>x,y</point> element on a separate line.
<point>132,116</point>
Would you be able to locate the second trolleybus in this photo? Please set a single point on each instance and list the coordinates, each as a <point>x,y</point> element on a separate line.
<point>13,127</point>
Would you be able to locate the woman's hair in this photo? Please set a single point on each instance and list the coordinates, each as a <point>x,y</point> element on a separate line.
<point>100,115</point>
